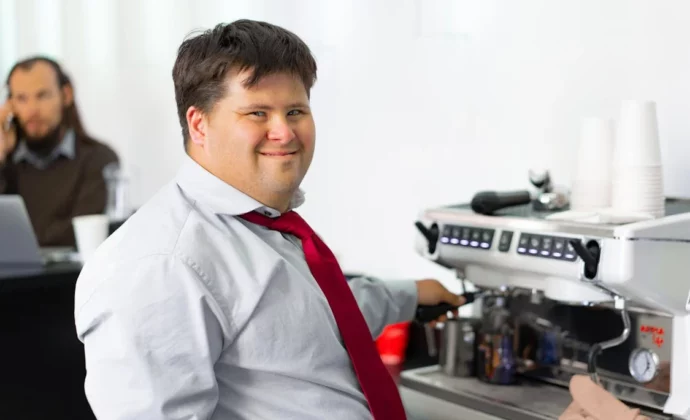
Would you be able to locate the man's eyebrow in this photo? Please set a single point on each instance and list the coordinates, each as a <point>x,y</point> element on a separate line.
<point>265,107</point>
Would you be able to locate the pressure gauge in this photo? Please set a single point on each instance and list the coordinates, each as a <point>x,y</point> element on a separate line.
<point>643,365</point>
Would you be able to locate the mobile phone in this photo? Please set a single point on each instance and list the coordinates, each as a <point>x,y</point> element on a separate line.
<point>11,118</point>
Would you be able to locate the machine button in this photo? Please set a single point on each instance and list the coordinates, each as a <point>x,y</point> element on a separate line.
<point>546,244</point>
<point>455,237</point>
<point>475,237</point>
<point>465,236</point>
<point>569,252</point>
<point>558,248</point>
<point>523,243</point>
<point>504,241</point>
<point>445,236</point>
<point>534,245</point>
<point>487,238</point>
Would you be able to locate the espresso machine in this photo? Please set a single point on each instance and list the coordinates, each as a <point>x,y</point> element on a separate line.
<point>564,298</point>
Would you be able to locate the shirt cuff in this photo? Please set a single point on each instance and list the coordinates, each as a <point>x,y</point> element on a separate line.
<point>404,292</point>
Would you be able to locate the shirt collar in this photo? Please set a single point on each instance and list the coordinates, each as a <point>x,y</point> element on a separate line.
<point>220,196</point>
<point>66,148</point>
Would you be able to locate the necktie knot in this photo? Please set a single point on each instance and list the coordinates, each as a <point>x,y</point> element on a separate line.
<point>289,222</point>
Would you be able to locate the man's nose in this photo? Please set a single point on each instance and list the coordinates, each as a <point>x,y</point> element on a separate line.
<point>32,109</point>
<point>280,130</point>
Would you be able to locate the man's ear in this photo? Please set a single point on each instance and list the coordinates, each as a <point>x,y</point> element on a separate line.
<point>197,124</point>
<point>67,95</point>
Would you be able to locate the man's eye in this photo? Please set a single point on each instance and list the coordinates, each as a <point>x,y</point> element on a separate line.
<point>258,113</point>
<point>294,112</point>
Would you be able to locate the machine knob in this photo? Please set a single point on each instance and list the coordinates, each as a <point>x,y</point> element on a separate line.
<point>590,255</point>
<point>431,234</point>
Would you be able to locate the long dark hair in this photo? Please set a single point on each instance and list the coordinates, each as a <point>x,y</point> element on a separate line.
<point>71,118</point>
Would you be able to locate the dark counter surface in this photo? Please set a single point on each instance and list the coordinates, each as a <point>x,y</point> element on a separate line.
<point>41,360</point>
<point>18,277</point>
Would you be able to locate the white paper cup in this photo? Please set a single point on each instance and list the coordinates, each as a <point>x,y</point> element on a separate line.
<point>595,150</point>
<point>90,231</point>
<point>637,143</point>
<point>591,187</point>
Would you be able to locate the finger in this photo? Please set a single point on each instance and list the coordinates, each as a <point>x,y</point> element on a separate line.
<point>596,401</point>
<point>573,412</point>
<point>452,298</point>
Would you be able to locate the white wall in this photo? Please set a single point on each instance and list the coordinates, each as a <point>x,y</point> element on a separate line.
<point>418,103</point>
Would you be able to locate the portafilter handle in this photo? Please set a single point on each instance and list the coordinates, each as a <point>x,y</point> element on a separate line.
<point>428,313</point>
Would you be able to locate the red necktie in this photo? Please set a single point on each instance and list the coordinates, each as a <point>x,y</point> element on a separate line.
<point>376,382</point>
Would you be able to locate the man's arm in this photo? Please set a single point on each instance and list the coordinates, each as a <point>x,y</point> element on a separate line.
<point>151,335</point>
<point>384,302</point>
<point>91,198</point>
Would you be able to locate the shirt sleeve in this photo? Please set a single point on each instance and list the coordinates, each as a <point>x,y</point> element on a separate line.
<point>384,302</point>
<point>151,335</point>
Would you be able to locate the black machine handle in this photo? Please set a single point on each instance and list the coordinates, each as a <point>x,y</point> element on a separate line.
<point>428,313</point>
<point>431,234</point>
<point>488,202</point>
<point>590,254</point>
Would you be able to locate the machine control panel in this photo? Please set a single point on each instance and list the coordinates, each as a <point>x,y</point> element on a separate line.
<point>473,237</point>
<point>546,246</point>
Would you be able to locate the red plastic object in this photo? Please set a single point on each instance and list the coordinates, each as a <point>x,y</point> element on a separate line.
<point>392,343</point>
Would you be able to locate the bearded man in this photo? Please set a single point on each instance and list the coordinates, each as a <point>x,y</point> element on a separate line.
<point>45,154</point>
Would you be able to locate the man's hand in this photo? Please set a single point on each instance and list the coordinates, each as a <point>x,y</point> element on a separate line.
<point>432,292</point>
<point>8,134</point>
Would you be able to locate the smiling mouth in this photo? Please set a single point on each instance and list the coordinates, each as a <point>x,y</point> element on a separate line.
<point>277,154</point>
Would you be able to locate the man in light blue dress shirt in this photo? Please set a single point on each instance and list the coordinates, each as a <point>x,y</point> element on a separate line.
<point>190,312</point>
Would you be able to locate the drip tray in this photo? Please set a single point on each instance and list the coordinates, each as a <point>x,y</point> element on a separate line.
<point>528,400</point>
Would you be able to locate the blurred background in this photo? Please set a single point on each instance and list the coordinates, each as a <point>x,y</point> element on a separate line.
<point>418,102</point>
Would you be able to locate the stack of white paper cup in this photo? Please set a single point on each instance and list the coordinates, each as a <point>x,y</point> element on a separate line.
<point>591,188</point>
<point>637,171</point>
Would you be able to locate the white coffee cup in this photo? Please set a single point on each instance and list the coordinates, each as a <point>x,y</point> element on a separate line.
<point>90,231</point>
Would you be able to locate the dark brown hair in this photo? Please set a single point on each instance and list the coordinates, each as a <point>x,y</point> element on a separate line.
<point>71,117</point>
<point>203,62</point>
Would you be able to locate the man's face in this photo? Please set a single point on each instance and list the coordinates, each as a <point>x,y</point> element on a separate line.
<point>37,100</point>
<point>261,139</point>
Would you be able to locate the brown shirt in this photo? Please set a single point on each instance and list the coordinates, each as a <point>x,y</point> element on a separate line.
<point>65,188</point>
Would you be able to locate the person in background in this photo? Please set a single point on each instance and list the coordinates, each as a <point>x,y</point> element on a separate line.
<point>216,300</point>
<point>46,156</point>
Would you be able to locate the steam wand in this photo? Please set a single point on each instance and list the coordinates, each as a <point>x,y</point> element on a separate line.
<point>599,347</point>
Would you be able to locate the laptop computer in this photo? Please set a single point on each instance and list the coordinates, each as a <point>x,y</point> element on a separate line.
<point>18,243</point>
